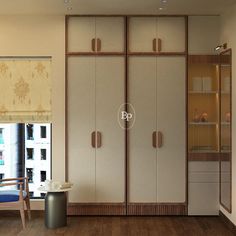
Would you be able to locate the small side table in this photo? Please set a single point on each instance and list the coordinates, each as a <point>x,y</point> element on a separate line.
<point>55,207</point>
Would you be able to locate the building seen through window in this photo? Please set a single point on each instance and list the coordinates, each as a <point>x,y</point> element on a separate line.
<point>25,150</point>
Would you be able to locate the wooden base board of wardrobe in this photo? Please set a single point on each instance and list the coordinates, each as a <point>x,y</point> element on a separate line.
<point>133,209</point>
<point>152,209</point>
<point>96,209</point>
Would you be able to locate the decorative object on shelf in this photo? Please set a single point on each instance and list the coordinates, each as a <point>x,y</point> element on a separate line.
<point>197,84</point>
<point>204,117</point>
<point>227,116</point>
<point>226,84</point>
<point>207,84</point>
<point>196,116</point>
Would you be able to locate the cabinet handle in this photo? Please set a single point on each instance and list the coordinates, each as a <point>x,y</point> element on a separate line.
<point>159,45</point>
<point>154,139</point>
<point>93,44</point>
<point>154,45</point>
<point>93,139</point>
<point>99,44</point>
<point>99,139</point>
<point>160,139</point>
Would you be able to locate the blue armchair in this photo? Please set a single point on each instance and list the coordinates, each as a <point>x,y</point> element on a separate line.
<point>16,198</point>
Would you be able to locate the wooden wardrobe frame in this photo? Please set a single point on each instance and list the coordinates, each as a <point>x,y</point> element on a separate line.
<point>127,208</point>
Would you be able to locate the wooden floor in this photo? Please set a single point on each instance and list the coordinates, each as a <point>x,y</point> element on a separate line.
<point>118,226</point>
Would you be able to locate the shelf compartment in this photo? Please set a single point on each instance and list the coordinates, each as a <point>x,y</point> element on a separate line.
<point>203,138</point>
<point>204,156</point>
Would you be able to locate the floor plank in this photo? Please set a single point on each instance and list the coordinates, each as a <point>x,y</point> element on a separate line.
<point>118,226</point>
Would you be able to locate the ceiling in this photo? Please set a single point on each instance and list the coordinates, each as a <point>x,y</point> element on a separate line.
<point>114,6</point>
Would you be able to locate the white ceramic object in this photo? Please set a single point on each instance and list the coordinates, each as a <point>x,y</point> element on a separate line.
<point>197,84</point>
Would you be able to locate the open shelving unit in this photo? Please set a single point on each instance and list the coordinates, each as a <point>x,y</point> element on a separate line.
<point>203,107</point>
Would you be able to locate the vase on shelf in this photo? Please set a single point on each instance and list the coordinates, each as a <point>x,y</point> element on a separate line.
<point>196,116</point>
<point>204,117</point>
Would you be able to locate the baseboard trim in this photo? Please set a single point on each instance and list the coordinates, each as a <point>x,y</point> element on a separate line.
<point>230,225</point>
<point>96,209</point>
<point>153,209</point>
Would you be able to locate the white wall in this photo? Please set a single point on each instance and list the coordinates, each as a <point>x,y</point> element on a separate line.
<point>228,35</point>
<point>42,36</point>
<point>204,34</point>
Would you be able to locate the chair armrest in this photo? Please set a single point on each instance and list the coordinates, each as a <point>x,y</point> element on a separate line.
<point>10,184</point>
<point>11,179</point>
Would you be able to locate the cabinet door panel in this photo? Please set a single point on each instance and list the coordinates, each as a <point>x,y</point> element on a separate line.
<point>110,157</point>
<point>171,31</point>
<point>142,155</point>
<point>111,32</point>
<point>142,31</point>
<point>81,123</point>
<point>171,106</point>
<point>81,30</point>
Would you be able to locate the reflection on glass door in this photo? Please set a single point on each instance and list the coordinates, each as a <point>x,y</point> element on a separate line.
<point>225,129</point>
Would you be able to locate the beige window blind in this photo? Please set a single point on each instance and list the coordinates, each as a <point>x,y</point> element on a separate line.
<point>25,90</point>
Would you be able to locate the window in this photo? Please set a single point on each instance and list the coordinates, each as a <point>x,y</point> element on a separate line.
<point>2,176</point>
<point>43,175</point>
<point>30,131</point>
<point>29,173</point>
<point>1,158</point>
<point>30,153</point>
<point>31,194</point>
<point>24,153</point>
<point>1,136</point>
<point>42,195</point>
<point>43,132</point>
<point>43,154</point>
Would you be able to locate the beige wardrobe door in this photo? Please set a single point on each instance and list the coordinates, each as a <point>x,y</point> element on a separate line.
<point>142,32</point>
<point>110,154</point>
<point>142,154</point>
<point>171,106</point>
<point>81,31</point>
<point>110,32</point>
<point>81,124</point>
<point>171,31</point>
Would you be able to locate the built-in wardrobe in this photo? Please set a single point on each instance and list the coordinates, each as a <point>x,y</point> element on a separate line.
<point>137,63</point>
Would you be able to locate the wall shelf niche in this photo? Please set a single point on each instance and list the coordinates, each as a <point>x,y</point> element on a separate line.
<point>203,108</point>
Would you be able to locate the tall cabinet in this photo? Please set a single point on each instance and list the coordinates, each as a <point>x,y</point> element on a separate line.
<point>157,140</point>
<point>115,63</point>
<point>95,91</point>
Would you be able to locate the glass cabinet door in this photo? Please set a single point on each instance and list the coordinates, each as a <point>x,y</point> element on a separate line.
<point>225,129</point>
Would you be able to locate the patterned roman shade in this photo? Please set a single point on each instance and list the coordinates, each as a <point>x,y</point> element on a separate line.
<point>25,90</point>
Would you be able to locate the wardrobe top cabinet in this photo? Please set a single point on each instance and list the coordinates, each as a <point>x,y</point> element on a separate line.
<point>157,34</point>
<point>96,34</point>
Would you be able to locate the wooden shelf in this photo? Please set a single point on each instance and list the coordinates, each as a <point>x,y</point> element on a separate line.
<point>205,59</point>
<point>202,123</point>
<point>203,92</point>
<point>204,156</point>
<point>225,123</point>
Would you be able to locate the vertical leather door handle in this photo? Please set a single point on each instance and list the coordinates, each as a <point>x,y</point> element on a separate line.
<point>93,44</point>
<point>154,45</point>
<point>154,139</point>
<point>99,44</point>
<point>159,45</point>
<point>93,139</point>
<point>160,139</point>
<point>99,139</point>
